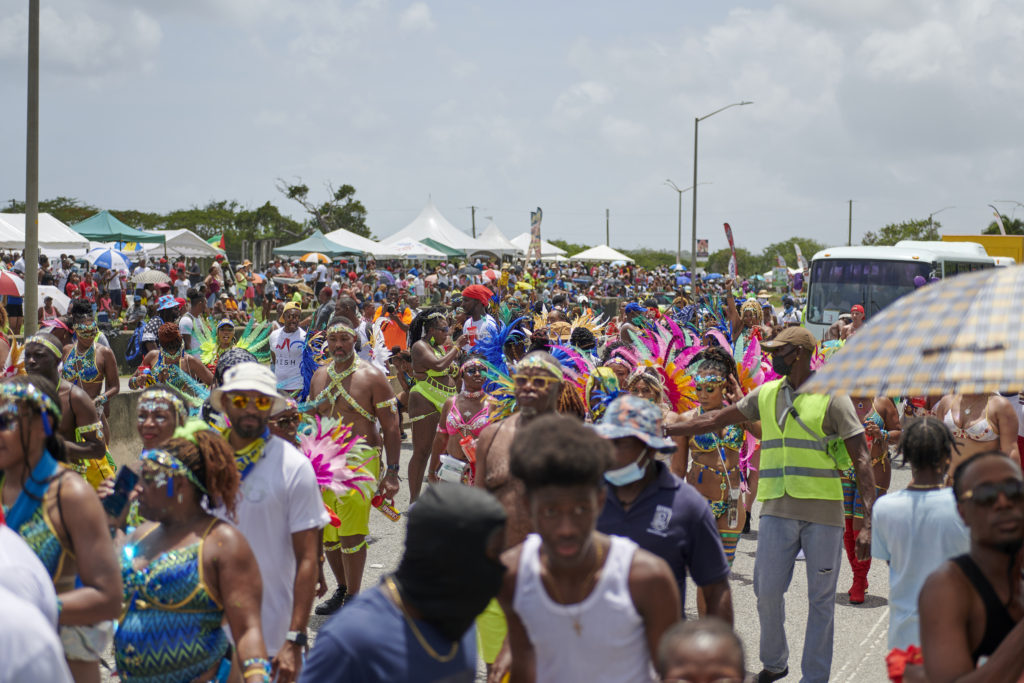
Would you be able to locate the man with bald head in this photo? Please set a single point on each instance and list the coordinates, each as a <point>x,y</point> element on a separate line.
<point>80,423</point>
<point>538,381</point>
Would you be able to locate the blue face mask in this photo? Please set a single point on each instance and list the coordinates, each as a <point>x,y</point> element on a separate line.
<point>629,474</point>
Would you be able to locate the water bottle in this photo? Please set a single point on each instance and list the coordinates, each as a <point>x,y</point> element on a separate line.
<point>388,508</point>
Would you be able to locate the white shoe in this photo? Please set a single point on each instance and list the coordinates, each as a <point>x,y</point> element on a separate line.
<point>800,555</point>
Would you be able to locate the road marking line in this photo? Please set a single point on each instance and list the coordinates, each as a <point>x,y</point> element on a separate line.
<point>856,673</point>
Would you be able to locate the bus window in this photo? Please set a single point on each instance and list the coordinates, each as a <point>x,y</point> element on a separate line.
<point>837,284</point>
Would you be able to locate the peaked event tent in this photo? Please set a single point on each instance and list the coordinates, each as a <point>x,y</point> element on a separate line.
<point>184,244</point>
<point>349,239</point>
<point>54,236</point>
<point>105,227</point>
<point>411,249</point>
<point>431,224</point>
<point>316,242</point>
<point>600,253</point>
<point>497,243</point>
<point>546,248</point>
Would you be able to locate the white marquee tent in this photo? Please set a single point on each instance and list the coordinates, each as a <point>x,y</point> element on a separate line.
<point>496,242</point>
<point>430,224</point>
<point>54,236</point>
<point>601,252</point>
<point>353,241</point>
<point>522,242</point>
<point>183,244</point>
<point>409,249</point>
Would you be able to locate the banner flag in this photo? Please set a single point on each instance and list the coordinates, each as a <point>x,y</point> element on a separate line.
<point>533,251</point>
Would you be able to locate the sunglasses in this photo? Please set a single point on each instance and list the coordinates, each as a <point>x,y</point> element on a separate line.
<point>288,420</point>
<point>241,401</point>
<point>535,381</point>
<point>987,494</point>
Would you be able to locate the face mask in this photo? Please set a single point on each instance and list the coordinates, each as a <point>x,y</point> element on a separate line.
<point>780,365</point>
<point>629,474</point>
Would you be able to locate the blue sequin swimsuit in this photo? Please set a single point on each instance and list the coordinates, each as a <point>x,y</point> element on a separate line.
<point>171,630</point>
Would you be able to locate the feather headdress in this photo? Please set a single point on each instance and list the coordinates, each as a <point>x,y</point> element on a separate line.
<point>338,456</point>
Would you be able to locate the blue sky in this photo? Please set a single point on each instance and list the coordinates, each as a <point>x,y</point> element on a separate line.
<point>576,107</point>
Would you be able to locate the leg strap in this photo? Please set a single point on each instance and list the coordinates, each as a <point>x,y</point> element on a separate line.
<point>354,549</point>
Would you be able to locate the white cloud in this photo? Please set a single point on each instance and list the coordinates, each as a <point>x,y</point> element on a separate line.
<point>416,18</point>
<point>581,98</point>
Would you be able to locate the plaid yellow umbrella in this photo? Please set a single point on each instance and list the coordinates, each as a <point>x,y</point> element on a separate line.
<point>962,335</point>
<point>315,257</point>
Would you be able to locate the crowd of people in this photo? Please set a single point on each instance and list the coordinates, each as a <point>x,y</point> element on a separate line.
<point>574,458</point>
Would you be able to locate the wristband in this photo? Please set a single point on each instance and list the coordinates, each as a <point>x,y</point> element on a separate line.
<point>393,468</point>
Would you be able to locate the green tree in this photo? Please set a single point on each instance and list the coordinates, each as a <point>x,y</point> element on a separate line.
<point>341,210</point>
<point>746,263</point>
<point>571,248</point>
<point>67,210</point>
<point>787,248</point>
<point>1014,226</point>
<point>923,230</point>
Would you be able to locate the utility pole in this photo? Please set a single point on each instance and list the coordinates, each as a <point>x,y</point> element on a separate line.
<point>472,214</point>
<point>849,227</point>
<point>30,303</point>
<point>607,229</point>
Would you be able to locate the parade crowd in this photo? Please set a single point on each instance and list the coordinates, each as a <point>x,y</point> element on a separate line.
<point>583,439</point>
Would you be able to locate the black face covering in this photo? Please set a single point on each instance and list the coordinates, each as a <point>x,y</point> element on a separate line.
<point>780,365</point>
<point>445,573</point>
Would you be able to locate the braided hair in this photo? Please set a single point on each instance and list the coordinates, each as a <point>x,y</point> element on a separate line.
<point>427,319</point>
<point>717,360</point>
<point>927,443</point>
<point>570,402</point>
<point>212,461</point>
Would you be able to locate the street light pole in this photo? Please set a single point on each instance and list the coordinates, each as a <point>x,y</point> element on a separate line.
<point>693,237</point>
<point>30,302</point>
<point>931,223</point>
<point>679,233</point>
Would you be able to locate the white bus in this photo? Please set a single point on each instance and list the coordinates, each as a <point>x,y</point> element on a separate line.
<point>874,277</point>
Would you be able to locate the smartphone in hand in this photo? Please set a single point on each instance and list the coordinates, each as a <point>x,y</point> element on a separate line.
<point>123,486</point>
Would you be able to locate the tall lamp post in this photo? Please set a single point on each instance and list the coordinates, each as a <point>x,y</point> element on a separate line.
<point>696,125</point>
<point>930,222</point>
<point>679,233</point>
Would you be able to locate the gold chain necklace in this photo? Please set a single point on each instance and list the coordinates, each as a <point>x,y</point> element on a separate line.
<point>397,599</point>
<point>576,625</point>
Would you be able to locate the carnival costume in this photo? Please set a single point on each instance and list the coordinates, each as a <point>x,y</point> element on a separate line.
<point>192,390</point>
<point>255,339</point>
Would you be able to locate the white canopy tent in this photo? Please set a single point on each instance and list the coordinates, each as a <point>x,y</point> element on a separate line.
<point>601,252</point>
<point>410,249</point>
<point>182,244</point>
<point>54,236</point>
<point>496,243</point>
<point>522,242</point>
<point>353,241</point>
<point>430,224</point>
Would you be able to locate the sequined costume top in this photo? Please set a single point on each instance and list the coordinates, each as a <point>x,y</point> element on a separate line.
<point>81,368</point>
<point>171,630</point>
<point>732,440</point>
<point>40,535</point>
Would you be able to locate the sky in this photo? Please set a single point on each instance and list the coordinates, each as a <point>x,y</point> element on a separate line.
<point>906,108</point>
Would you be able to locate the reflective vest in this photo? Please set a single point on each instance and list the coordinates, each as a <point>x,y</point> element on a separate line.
<point>798,459</point>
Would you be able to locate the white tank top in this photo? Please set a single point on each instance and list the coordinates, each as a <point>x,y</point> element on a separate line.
<point>612,643</point>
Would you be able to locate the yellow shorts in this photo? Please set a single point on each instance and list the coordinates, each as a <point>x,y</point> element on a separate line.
<point>491,629</point>
<point>353,509</point>
<point>95,470</point>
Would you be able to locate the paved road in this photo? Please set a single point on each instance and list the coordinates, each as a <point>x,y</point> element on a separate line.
<point>860,637</point>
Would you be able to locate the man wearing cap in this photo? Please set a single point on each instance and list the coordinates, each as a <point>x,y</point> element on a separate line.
<point>396,319</point>
<point>166,312</point>
<point>279,511</point>
<point>857,321</point>
<point>359,395</point>
<point>537,383</point>
<point>80,423</point>
<point>807,441</point>
<point>286,344</point>
<point>656,509</point>
<point>479,324</point>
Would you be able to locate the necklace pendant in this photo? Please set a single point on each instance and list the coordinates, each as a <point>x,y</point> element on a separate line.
<point>577,627</point>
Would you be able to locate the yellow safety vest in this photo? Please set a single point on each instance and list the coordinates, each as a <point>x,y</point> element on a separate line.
<point>798,459</point>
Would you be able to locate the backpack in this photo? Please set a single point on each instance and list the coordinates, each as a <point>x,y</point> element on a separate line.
<point>134,353</point>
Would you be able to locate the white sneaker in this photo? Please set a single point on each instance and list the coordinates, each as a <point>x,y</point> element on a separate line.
<point>800,555</point>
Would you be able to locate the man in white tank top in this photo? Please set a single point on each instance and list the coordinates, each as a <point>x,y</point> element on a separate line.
<point>581,606</point>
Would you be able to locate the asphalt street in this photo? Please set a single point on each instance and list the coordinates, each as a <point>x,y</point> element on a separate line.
<point>860,633</point>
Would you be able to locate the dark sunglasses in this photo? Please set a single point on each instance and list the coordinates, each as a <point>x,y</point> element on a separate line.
<point>288,420</point>
<point>987,494</point>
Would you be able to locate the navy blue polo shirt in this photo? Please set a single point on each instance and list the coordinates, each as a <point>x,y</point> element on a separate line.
<point>672,520</point>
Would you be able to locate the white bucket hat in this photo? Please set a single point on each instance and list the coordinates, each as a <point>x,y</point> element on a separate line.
<point>249,377</point>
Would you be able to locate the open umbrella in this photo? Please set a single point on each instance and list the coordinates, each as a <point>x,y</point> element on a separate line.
<point>962,335</point>
<point>386,276</point>
<point>315,257</point>
<point>468,270</point>
<point>524,286</point>
<point>713,276</point>
<point>491,274</point>
<point>11,284</point>
<point>103,257</point>
<point>151,276</point>
<point>584,280</point>
<point>678,266</point>
<point>682,280</point>
<point>61,301</point>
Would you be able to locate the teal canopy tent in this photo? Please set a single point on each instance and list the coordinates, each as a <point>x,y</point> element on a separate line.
<point>105,227</point>
<point>315,243</point>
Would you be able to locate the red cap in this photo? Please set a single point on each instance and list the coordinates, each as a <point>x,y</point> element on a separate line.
<point>856,308</point>
<point>181,302</point>
<point>478,292</point>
